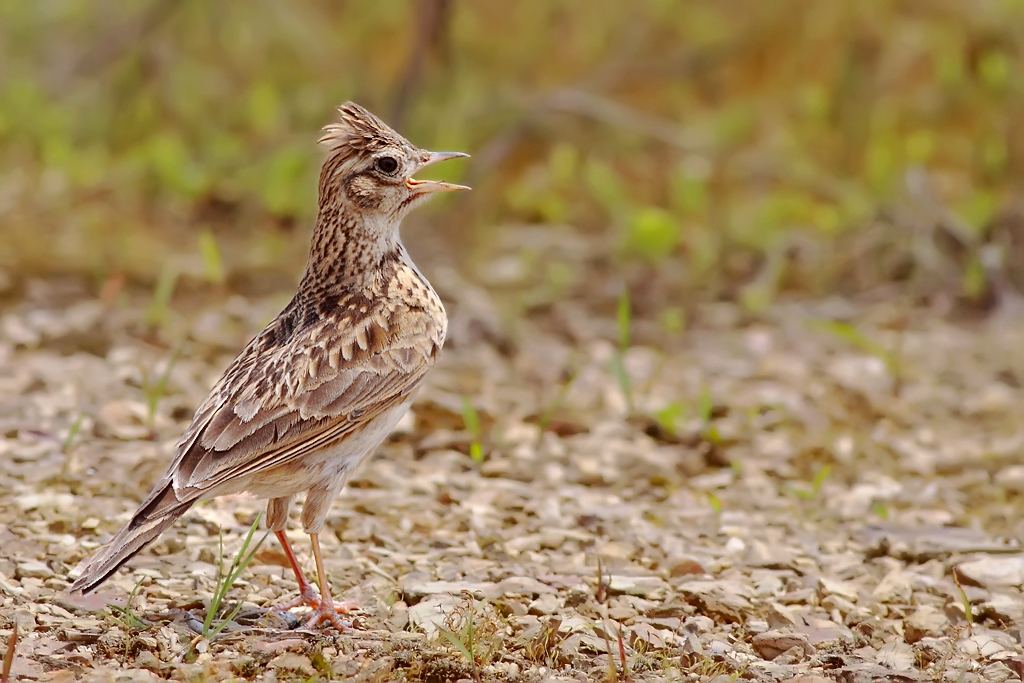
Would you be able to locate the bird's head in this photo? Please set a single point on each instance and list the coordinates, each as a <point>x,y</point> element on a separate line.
<point>370,167</point>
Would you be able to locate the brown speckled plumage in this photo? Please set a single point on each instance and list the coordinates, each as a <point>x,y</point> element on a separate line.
<point>314,393</point>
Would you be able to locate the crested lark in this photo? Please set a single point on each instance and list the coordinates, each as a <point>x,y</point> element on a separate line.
<point>314,393</point>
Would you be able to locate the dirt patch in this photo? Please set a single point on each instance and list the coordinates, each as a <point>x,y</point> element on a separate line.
<point>753,500</point>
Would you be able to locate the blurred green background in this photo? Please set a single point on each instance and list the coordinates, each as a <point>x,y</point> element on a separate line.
<point>688,150</point>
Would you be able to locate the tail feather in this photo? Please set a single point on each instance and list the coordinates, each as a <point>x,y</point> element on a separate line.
<point>161,509</point>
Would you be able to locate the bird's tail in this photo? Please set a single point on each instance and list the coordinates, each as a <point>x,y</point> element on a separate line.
<point>156,513</point>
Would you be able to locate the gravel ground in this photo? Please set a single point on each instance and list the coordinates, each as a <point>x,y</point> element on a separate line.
<point>780,500</point>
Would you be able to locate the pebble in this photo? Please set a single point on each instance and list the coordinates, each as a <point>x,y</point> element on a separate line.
<point>924,622</point>
<point>837,604</point>
<point>1007,570</point>
<point>399,617</point>
<point>1012,478</point>
<point>894,587</point>
<point>418,588</point>
<point>781,616</point>
<point>842,589</point>
<point>735,545</point>
<point>642,586</point>
<point>523,585</point>
<point>988,644</point>
<point>897,656</point>
<point>279,646</point>
<point>698,624</point>
<point>685,566</point>
<point>545,604</point>
<point>430,614</point>
<point>1005,607</point>
<point>773,643</point>
<point>34,569</point>
<point>292,661</point>
<point>757,626</point>
<point>147,660</point>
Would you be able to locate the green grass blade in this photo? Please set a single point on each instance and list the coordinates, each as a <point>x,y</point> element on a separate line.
<point>226,580</point>
<point>471,420</point>
<point>213,264</point>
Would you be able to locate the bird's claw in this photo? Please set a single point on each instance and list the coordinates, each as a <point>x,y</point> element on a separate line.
<point>327,611</point>
<point>307,597</point>
<point>323,610</point>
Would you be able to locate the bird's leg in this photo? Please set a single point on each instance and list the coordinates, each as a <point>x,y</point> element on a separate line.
<point>326,609</point>
<point>307,594</point>
<point>277,521</point>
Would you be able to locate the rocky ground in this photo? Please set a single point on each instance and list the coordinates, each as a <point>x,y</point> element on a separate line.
<point>784,498</point>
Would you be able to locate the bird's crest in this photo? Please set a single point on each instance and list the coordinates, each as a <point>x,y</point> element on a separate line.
<point>359,130</point>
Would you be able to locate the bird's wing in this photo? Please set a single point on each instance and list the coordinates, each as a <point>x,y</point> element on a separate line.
<point>296,389</point>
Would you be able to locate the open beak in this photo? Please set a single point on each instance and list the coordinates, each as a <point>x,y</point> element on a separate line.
<point>436,185</point>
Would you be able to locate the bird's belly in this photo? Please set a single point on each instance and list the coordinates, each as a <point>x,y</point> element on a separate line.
<point>333,464</point>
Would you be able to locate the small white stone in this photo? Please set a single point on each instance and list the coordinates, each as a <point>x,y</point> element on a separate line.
<point>994,571</point>
<point>34,569</point>
<point>735,545</point>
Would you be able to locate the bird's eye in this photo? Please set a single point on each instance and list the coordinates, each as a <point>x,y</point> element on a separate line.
<point>387,165</point>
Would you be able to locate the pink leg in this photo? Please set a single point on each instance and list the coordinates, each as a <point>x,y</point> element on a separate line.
<point>323,609</point>
<point>327,610</point>
<point>307,594</point>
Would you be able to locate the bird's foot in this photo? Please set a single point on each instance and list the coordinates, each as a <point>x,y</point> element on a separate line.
<point>328,610</point>
<point>307,597</point>
<point>323,610</point>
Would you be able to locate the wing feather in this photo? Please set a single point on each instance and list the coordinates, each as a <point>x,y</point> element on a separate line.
<point>278,402</point>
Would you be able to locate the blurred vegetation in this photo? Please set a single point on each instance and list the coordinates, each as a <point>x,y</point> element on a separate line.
<point>728,150</point>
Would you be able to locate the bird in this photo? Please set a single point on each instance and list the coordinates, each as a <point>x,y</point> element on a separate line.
<point>313,394</point>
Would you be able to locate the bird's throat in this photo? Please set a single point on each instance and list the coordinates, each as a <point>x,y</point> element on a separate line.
<point>349,245</point>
